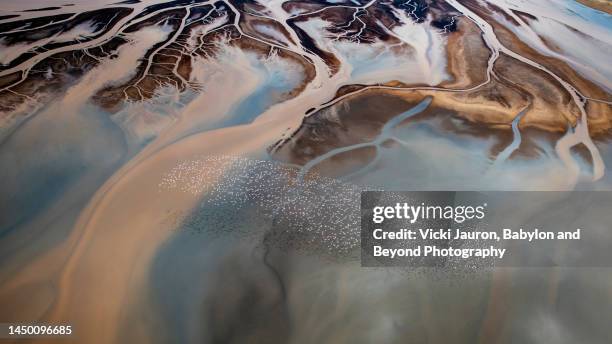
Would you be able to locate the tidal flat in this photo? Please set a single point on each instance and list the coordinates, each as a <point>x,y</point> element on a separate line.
<point>191,170</point>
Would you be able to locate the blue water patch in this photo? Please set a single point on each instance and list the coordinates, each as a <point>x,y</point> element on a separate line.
<point>362,63</point>
<point>49,155</point>
<point>590,14</point>
<point>277,83</point>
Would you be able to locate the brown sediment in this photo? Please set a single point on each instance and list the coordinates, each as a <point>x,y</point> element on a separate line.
<point>525,16</point>
<point>389,143</point>
<point>52,8</point>
<point>488,110</point>
<point>597,125</point>
<point>355,120</point>
<point>310,44</point>
<point>472,121</point>
<point>10,79</point>
<point>503,13</point>
<point>467,56</point>
<point>8,16</point>
<point>456,122</point>
<point>581,151</point>
<point>485,112</point>
<point>360,118</point>
<point>383,16</point>
<point>560,68</point>
<point>345,29</point>
<point>552,107</point>
<point>346,89</point>
<point>601,5</point>
<point>301,6</point>
<point>248,23</point>
<point>43,34</point>
<point>517,87</point>
<point>346,162</point>
<point>184,67</point>
<point>600,120</point>
<point>532,140</point>
<point>56,72</point>
<point>492,105</point>
<point>161,72</point>
<point>351,122</point>
<point>62,69</point>
<point>248,7</point>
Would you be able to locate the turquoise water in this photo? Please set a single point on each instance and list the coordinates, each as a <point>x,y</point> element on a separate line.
<point>590,15</point>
